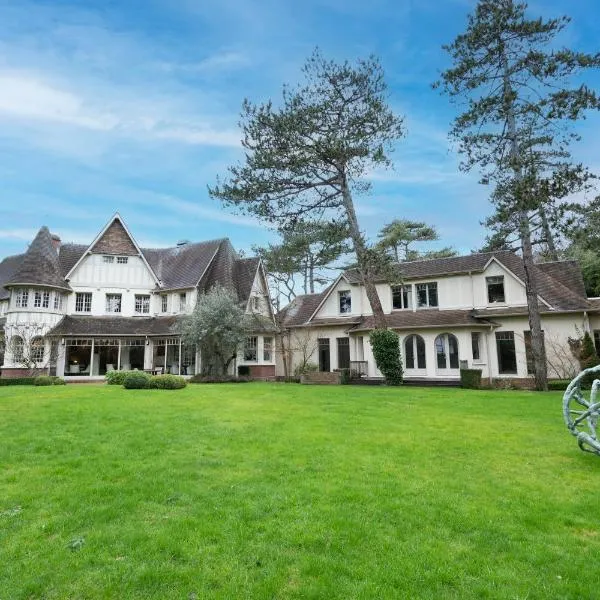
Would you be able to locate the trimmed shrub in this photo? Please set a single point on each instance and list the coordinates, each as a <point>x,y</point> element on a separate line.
<point>48,380</point>
<point>345,376</point>
<point>167,382</point>
<point>117,377</point>
<point>136,380</point>
<point>16,380</point>
<point>309,367</point>
<point>215,379</point>
<point>386,350</point>
<point>470,379</point>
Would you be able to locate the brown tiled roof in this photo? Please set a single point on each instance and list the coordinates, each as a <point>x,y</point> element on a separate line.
<point>422,319</point>
<point>567,272</point>
<point>179,267</point>
<point>244,272</point>
<point>300,309</point>
<point>560,284</point>
<point>115,326</point>
<point>182,266</point>
<point>7,267</point>
<point>39,265</point>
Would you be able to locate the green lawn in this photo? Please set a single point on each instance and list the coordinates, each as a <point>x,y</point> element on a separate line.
<point>286,491</point>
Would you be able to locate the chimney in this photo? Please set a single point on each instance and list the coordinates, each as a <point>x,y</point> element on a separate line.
<point>55,242</point>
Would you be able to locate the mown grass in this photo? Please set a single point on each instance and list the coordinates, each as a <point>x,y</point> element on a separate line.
<point>285,491</point>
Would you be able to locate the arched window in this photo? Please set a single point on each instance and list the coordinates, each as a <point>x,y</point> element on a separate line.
<point>446,350</point>
<point>16,345</point>
<point>414,352</point>
<point>36,350</point>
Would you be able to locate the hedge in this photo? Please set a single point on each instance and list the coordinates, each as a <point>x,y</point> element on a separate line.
<point>16,380</point>
<point>470,379</point>
<point>167,382</point>
<point>218,379</point>
<point>48,380</point>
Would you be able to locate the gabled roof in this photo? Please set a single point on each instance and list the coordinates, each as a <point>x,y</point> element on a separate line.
<point>185,266</point>
<point>39,265</point>
<point>300,309</point>
<point>554,282</point>
<point>102,244</point>
<point>560,287</point>
<point>182,266</point>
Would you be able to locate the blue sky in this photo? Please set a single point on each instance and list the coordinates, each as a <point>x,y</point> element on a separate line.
<point>133,106</point>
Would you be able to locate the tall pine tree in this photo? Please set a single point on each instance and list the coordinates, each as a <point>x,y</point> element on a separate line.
<point>519,99</point>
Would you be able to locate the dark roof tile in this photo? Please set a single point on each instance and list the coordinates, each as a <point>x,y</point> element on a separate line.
<point>40,264</point>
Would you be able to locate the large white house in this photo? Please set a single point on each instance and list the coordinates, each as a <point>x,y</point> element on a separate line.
<point>82,310</point>
<point>468,310</point>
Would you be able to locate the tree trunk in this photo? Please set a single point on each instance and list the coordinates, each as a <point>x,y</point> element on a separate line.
<point>362,258</point>
<point>533,309</point>
<point>311,273</point>
<point>547,233</point>
<point>537,336</point>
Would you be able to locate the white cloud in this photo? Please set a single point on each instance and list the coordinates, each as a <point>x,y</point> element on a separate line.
<point>29,99</point>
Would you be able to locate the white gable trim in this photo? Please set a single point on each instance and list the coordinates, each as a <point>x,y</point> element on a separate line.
<point>210,262</point>
<point>260,270</point>
<point>333,286</point>
<point>499,262</point>
<point>88,251</point>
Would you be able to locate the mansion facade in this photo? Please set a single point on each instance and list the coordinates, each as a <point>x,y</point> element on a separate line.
<point>80,311</point>
<point>467,311</point>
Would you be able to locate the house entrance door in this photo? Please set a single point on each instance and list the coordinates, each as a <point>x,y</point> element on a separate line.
<point>324,355</point>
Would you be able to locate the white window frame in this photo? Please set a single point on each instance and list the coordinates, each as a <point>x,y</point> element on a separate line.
<point>45,299</point>
<point>345,294</point>
<point>427,286</point>
<point>164,303</point>
<point>142,301</point>
<point>182,301</point>
<point>122,260</point>
<point>37,299</point>
<point>251,349</point>
<point>406,294</point>
<point>267,349</point>
<point>108,260</point>
<point>114,301</point>
<point>495,280</point>
<point>83,302</point>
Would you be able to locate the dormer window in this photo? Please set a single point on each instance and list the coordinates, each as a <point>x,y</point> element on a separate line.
<point>401,297</point>
<point>109,260</point>
<point>183,302</point>
<point>495,289</point>
<point>345,302</point>
<point>427,295</point>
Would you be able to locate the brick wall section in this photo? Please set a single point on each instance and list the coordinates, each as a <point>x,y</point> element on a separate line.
<point>262,371</point>
<point>8,372</point>
<point>115,241</point>
<point>321,378</point>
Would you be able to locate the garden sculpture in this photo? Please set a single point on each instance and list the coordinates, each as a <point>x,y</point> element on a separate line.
<point>581,415</point>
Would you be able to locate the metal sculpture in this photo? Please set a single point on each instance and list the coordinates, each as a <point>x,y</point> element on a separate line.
<point>581,415</point>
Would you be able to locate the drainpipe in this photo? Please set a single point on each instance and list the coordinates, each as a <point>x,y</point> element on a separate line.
<point>489,354</point>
